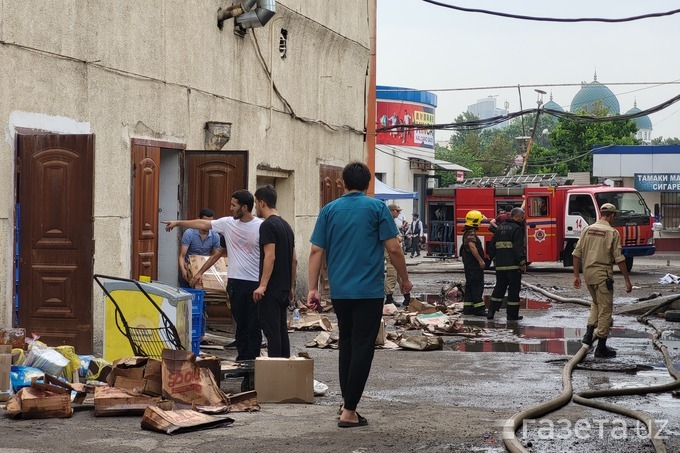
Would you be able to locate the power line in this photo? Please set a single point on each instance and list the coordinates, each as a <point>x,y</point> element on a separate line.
<point>484,123</point>
<point>554,19</point>
<point>541,85</point>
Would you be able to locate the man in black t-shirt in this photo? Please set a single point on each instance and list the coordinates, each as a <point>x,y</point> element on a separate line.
<point>278,265</point>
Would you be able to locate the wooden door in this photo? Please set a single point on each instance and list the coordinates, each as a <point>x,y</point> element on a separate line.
<point>55,188</point>
<point>211,179</point>
<point>145,185</point>
<point>332,187</point>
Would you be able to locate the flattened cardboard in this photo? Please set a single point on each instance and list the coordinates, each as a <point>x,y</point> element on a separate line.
<point>214,278</point>
<point>280,380</point>
<point>115,401</point>
<point>180,420</point>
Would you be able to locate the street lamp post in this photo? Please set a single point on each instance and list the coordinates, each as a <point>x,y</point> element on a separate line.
<point>539,102</point>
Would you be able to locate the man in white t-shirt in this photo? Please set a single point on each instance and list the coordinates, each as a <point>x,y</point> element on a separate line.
<point>242,237</point>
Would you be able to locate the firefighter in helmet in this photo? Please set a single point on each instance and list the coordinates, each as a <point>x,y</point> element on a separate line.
<point>473,260</point>
<point>508,250</point>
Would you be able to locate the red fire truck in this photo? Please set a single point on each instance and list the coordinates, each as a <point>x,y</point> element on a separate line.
<point>555,216</point>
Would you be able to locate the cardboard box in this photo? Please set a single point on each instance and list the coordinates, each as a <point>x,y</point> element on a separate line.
<point>279,380</point>
<point>31,402</point>
<point>214,278</point>
<point>5,367</point>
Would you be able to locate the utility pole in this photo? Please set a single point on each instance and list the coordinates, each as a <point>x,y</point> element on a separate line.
<point>539,102</point>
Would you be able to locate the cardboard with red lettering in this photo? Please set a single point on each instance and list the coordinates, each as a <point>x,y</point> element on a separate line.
<point>186,383</point>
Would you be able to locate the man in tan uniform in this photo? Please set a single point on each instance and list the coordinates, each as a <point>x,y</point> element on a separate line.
<point>391,276</point>
<point>599,248</point>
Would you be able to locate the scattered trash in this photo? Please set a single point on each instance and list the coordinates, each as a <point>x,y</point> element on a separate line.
<point>320,388</point>
<point>669,278</point>
<point>180,421</point>
<point>422,343</point>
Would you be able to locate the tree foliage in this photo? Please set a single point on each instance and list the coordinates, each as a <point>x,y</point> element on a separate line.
<point>559,145</point>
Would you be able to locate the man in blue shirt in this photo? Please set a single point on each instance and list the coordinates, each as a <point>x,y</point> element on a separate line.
<point>196,242</point>
<point>353,231</point>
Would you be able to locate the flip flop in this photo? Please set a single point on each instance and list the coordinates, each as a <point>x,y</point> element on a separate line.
<point>362,422</point>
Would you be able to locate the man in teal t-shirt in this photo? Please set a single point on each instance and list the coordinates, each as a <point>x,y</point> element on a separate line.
<point>353,231</point>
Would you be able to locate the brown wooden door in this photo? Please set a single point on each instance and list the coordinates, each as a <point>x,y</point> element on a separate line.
<point>146,165</point>
<point>56,238</point>
<point>332,187</point>
<point>211,179</point>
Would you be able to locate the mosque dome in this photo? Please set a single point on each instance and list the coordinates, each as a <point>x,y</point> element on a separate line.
<point>593,93</point>
<point>643,122</point>
<point>552,105</point>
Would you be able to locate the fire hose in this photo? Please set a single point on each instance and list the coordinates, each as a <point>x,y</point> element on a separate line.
<point>585,398</point>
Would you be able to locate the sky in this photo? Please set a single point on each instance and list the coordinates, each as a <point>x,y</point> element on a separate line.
<point>429,47</point>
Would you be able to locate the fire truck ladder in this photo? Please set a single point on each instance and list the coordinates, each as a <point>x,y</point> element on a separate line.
<point>489,181</point>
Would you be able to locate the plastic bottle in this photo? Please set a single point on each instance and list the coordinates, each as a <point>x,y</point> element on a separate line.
<point>296,318</point>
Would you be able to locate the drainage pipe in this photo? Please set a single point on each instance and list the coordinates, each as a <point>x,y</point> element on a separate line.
<point>564,300</point>
<point>258,17</point>
<point>513,423</point>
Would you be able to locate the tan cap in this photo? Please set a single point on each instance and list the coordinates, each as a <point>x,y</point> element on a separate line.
<point>394,207</point>
<point>608,207</point>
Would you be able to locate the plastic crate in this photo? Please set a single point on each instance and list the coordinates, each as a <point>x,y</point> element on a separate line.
<point>197,321</point>
<point>196,346</point>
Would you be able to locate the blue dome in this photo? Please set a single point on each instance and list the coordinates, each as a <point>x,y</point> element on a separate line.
<point>552,105</point>
<point>643,122</point>
<point>592,94</point>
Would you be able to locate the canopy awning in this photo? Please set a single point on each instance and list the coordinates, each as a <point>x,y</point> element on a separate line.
<point>420,159</point>
<point>385,192</point>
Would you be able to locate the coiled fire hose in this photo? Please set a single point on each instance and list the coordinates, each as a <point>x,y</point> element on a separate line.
<point>513,445</point>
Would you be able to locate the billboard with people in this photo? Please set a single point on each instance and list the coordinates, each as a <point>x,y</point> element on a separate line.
<point>396,114</point>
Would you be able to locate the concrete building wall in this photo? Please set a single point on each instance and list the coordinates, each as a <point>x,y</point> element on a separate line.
<point>161,69</point>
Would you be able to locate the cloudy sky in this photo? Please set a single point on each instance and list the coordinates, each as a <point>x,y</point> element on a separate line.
<point>424,46</point>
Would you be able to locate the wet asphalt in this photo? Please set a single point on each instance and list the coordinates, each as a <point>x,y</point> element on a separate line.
<point>455,399</point>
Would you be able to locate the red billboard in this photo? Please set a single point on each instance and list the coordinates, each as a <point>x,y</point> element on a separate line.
<point>401,113</point>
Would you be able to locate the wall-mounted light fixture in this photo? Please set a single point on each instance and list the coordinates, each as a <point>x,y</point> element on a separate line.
<point>217,134</point>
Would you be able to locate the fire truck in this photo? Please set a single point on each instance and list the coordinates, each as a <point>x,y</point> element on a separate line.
<point>555,216</point>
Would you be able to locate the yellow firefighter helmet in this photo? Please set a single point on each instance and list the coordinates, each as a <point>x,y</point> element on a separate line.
<point>474,219</point>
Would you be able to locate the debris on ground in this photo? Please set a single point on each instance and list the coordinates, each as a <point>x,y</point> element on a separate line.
<point>180,421</point>
<point>668,279</point>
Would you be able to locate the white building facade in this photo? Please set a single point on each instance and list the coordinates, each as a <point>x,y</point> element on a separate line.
<point>119,115</point>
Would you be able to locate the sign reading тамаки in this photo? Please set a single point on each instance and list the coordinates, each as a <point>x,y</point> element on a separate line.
<point>657,182</point>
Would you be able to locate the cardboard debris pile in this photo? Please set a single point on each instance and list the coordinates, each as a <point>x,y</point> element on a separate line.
<point>431,321</point>
<point>177,394</point>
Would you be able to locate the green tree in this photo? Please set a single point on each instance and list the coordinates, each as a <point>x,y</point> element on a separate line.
<point>572,141</point>
<point>666,141</point>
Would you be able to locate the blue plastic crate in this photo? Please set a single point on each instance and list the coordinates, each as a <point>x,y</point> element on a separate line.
<point>197,303</point>
<point>197,321</point>
<point>196,346</point>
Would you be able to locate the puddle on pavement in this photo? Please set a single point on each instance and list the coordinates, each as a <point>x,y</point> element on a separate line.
<point>524,303</point>
<point>515,337</point>
<point>671,338</point>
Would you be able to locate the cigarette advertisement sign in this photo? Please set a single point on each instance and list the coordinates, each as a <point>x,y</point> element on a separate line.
<point>657,182</point>
<point>400,113</point>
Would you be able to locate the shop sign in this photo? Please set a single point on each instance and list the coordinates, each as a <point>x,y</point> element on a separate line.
<point>657,182</point>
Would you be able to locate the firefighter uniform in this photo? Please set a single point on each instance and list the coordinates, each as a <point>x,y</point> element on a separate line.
<point>507,247</point>
<point>473,303</point>
<point>598,249</point>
